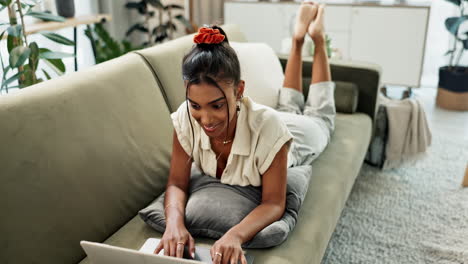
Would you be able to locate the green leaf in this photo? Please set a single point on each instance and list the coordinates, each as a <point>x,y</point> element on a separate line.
<point>453,23</point>
<point>15,31</point>
<point>46,74</point>
<point>30,2</point>
<point>58,38</point>
<point>173,7</point>
<point>134,5</point>
<point>170,24</point>
<point>449,52</point>
<point>6,70</point>
<point>55,55</point>
<point>3,33</point>
<point>10,44</point>
<point>155,3</point>
<point>45,16</point>
<point>34,57</point>
<point>55,64</point>
<point>18,56</point>
<point>184,21</point>
<point>138,27</point>
<point>455,2</point>
<point>5,2</point>
<point>11,79</point>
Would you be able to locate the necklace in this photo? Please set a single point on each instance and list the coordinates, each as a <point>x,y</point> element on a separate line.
<point>224,141</point>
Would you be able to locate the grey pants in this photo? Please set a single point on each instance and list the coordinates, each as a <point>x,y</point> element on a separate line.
<point>311,123</point>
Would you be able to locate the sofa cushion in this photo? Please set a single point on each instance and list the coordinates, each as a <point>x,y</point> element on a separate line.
<point>213,208</point>
<point>346,97</point>
<point>328,191</point>
<point>261,70</point>
<point>80,155</point>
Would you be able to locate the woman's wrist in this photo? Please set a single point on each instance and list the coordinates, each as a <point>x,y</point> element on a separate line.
<point>236,236</point>
<point>174,217</point>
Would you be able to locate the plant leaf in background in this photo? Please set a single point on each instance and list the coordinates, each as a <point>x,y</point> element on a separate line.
<point>47,75</point>
<point>5,2</point>
<point>138,27</point>
<point>10,80</point>
<point>55,55</point>
<point>18,56</point>
<point>55,64</point>
<point>45,16</point>
<point>170,24</point>
<point>455,2</point>
<point>34,56</point>
<point>15,31</point>
<point>155,3</point>
<point>57,38</point>
<point>449,52</point>
<point>2,34</point>
<point>139,6</point>
<point>106,47</point>
<point>453,23</point>
<point>161,31</point>
<point>185,22</point>
<point>30,2</point>
<point>173,7</point>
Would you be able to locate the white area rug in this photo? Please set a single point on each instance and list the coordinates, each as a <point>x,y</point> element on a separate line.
<point>415,214</point>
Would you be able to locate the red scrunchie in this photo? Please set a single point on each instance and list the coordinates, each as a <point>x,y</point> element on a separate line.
<point>208,36</point>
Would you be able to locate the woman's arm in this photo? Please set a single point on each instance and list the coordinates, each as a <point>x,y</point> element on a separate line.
<point>271,209</point>
<point>178,183</point>
<point>174,204</point>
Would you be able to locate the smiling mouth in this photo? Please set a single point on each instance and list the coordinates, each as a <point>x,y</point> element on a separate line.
<point>211,128</point>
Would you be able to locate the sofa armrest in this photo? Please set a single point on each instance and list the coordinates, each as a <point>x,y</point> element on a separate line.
<point>365,75</point>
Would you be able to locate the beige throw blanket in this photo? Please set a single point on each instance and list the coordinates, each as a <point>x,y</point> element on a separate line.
<point>409,135</point>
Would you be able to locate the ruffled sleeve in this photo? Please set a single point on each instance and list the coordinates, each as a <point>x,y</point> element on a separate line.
<point>272,136</point>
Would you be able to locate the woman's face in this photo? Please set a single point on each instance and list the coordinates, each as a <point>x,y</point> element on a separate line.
<point>208,107</point>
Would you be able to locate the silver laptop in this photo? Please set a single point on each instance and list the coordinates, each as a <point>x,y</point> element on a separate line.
<point>99,253</point>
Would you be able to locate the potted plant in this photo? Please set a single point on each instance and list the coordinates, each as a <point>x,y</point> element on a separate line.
<point>24,57</point>
<point>164,29</point>
<point>107,48</point>
<point>453,78</point>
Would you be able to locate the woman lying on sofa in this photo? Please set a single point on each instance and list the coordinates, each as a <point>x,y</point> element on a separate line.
<point>256,144</point>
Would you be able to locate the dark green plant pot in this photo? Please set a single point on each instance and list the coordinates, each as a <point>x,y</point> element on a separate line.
<point>454,79</point>
<point>452,93</point>
<point>65,8</point>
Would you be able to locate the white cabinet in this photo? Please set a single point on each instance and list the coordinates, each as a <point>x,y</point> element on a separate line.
<point>390,35</point>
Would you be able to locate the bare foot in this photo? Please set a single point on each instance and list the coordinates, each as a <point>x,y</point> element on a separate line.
<point>307,12</point>
<point>316,29</point>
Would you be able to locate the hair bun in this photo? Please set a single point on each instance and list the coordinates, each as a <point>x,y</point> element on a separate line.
<point>208,35</point>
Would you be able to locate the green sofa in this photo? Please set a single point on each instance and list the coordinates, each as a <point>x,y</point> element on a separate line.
<point>80,155</point>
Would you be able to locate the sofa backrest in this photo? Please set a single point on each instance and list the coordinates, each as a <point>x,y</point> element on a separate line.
<point>79,156</point>
<point>166,60</point>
